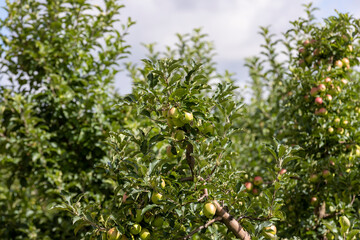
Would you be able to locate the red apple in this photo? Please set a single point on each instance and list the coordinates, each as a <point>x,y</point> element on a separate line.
<point>302,50</point>
<point>327,80</point>
<point>313,201</point>
<point>344,81</point>
<point>321,111</point>
<point>248,186</point>
<point>316,52</point>
<point>255,191</point>
<point>282,171</point>
<point>322,87</point>
<point>314,91</point>
<point>326,173</point>
<point>346,61</point>
<point>318,100</point>
<point>306,42</point>
<point>258,180</point>
<point>339,63</point>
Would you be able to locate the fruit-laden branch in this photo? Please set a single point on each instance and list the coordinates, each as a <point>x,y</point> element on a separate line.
<point>231,223</point>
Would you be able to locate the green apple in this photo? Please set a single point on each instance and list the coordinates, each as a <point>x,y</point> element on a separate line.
<point>162,184</point>
<point>208,128</point>
<point>177,122</point>
<point>209,210</point>
<point>145,234</point>
<point>148,217</point>
<point>313,178</point>
<point>113,234</point>
<point>179,135</point>
<point>344,222</point>
<point>270,232</point>
<point>135,229</point>
<point>138,217</point>
<point>188,117</point>
<point>340,131</point>
<point>156,198</point>
<point>158,222</point>
<point>331,130</point>
<point>173,113</point>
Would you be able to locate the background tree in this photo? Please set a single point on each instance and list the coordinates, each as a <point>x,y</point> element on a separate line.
<point>60,58</point>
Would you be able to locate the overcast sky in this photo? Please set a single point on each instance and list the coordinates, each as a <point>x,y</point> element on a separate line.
<point>232,25</point>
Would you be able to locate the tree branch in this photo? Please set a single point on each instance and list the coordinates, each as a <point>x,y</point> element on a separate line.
<point>202,227</point>
<point>231,223</point>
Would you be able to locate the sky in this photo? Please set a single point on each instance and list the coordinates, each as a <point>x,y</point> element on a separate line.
<point>232,25</point>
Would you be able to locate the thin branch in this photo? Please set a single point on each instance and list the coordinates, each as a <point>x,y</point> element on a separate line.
<point>206,225</point>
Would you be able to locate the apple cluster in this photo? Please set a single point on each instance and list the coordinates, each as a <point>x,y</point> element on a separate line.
<point>325,76</point>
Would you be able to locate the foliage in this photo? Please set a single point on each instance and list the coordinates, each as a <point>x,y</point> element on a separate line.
<point>60,60</point>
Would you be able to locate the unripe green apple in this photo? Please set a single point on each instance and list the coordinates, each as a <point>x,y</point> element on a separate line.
<point>344,222</point>
<point>270,232</point>
<point>158,222</point>
<point>208,128</point>
<point>337,121</point>
<point>156,198</point>
<point>173,113</point>
<point>340,130</point>
<point>177,122</point>
<point>188,117</point>
<point>313,178</point>
<point>179,135</point>
<point>145,234</point>
<point>331,130</point>
<point>162,184</point>
<point>344,123</point>
<point>258,180</point>
<point>113,234</point>
<point>148,217</point>
<point>350,48</point>
<point>135,229</point>
<point>209,210</point>
<point>138,217</point>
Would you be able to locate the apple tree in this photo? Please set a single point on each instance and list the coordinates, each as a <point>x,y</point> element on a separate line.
<point>57,67</point>
<point>313,102</point>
